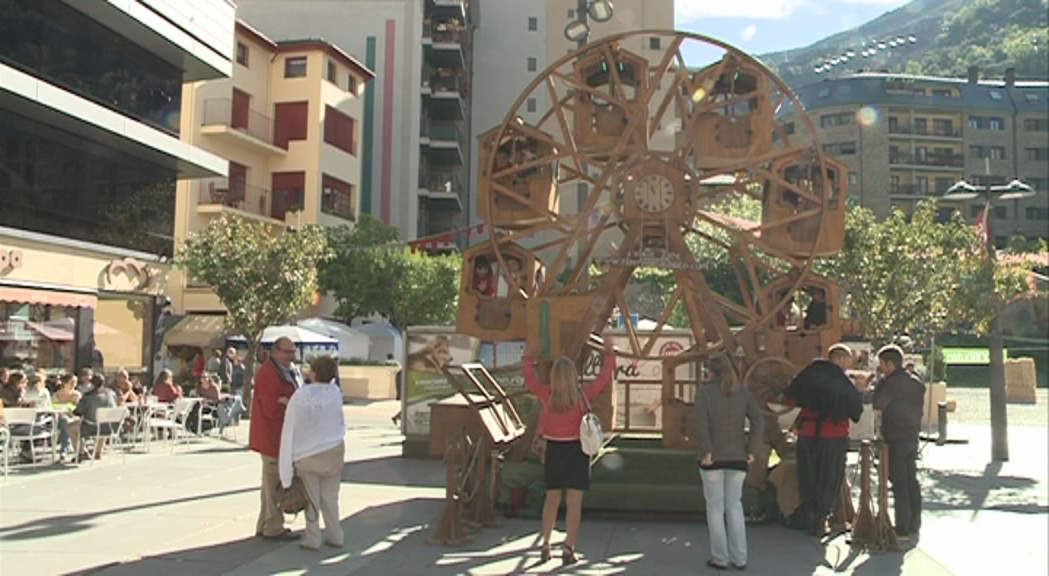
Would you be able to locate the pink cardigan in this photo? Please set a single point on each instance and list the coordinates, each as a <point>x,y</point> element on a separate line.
<point>565,425</point>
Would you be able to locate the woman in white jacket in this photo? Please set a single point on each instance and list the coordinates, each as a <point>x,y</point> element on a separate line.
<point>312,442</point>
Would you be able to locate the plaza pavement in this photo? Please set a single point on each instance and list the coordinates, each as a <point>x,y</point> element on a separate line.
<point>194,513</point>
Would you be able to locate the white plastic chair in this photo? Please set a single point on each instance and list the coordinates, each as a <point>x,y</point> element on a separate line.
<point>174,420</point>
<point>113,418</point>
<point>24,426</point>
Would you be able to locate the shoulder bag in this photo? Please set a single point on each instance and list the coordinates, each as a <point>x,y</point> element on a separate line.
<point>590,435</point>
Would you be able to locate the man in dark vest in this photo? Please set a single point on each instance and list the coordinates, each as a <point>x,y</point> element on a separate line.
<point>828,400</point>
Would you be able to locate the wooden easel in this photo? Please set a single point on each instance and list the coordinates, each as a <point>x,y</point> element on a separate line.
<point>870,531</point>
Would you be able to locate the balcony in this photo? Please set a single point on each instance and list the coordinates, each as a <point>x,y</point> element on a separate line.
<point>452,8</point>
<point>218,195</point>
<point>441,188</point>
<point>909,190</point>
<point>928,160</point>
<point>242,127</point>
<point>446,91</point>
<point>445,144</point>
<point>925,131</point>
<point>443,42</point>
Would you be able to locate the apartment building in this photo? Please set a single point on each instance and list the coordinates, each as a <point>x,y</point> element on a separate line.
<point>905,138</point>
<point>90,94</point>
<point>415,143</point>
<point>288,122</point>
<point>516,41</point>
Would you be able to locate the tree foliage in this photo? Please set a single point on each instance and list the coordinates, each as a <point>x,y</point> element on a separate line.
<point>371,273</point>
<point>262,277</point>
<point>918,276</point>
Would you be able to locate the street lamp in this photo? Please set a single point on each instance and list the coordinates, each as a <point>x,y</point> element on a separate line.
<point>1014,190</point>
<point>578,31</point>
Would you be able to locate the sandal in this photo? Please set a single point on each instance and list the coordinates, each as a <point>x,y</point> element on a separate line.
<point>568,556</point>
<point>544,555</point>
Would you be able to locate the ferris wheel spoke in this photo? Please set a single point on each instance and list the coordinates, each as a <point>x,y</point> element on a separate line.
<point>568,137</point>
<point>594,92</point>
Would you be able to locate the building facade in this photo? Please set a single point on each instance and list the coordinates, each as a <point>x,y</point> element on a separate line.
<point>288,122</point>
<point>907,138</point>
<point>416,130</point>
<point>90,94</point>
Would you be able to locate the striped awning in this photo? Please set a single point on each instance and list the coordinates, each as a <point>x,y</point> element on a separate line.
<point>47,297</point>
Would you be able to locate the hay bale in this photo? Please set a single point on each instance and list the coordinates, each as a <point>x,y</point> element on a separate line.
<point>1020,381</point>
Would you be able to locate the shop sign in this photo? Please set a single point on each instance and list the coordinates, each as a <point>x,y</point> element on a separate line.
<point>140,273</point>
<point>10,259</point>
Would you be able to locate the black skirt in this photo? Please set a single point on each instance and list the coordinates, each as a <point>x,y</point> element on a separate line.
<point>566,466</point>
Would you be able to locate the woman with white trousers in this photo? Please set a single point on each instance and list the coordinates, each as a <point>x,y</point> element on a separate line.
<point>312,447</point>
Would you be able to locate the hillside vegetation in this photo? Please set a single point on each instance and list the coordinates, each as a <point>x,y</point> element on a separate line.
<point>949,36</point>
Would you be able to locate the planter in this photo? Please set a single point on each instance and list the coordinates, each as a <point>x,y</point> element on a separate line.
<point>368,382</point>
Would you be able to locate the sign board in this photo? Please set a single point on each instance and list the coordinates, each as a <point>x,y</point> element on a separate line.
<point>969,356</point>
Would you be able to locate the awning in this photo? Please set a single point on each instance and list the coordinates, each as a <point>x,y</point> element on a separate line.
<point>205,331</point>
<point>53,333</point>
<point>47,297</point>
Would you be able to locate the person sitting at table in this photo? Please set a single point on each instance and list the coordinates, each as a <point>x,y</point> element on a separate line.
<point>164,388</point>
<point>223,407</point>
<point>36,393</point>
<point>98,397</point>
<point>12,395</point>
<point>122,388</point>
<point>68,431</point>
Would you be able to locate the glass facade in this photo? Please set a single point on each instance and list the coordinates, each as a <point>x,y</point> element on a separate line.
<point>52,41</point>
<point>57,183</point>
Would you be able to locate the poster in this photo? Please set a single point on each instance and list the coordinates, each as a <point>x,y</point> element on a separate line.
<point>428,352</point>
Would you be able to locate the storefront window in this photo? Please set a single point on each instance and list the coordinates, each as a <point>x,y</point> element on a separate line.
<point>120,334</point>
<point>37,337</point>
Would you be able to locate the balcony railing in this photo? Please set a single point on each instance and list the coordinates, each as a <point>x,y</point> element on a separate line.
<point>949,161</point>
<point>926,131</point>
<point>220,112</point>
<point>909,189</point>
<point>233,194</point>
<point>446,132</point>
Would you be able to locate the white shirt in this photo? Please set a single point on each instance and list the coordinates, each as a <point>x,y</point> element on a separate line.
<point>313,423</point>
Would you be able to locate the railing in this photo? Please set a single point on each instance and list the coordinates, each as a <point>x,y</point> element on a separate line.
<point>446,132</point>
<point>446,33</point>
<point>926,131</point>
<point>234,194</point>
<point>439,83</point>
<point>219,111</point>
<point>952,161</point>
<point>909,189</point>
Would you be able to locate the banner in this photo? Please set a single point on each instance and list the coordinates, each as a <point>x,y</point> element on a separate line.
<point>969,356</point>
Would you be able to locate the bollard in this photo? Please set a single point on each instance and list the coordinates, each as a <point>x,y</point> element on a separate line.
<point>941,423</point>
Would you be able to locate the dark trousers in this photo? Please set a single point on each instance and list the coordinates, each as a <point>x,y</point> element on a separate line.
<point>906,492</point>
<point>821,467</point>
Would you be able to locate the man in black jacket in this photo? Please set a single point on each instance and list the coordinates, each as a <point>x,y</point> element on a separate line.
<point>900,395</point>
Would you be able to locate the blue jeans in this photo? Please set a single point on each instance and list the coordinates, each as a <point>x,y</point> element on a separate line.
<point>723,491</point>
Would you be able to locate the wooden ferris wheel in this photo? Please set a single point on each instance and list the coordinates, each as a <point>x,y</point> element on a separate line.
<point>624,164</point>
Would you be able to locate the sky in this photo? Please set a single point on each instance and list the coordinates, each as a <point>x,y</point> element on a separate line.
<point>762,26</point>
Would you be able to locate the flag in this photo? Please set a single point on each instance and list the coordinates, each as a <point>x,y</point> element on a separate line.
<point>981,224</point>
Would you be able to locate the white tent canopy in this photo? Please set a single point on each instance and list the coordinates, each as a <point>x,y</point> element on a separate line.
<point>308,342</point>
<point>352,343</point>
<point>385,339</point>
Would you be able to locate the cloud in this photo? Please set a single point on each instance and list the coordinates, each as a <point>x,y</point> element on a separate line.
<point>749,33</point>
<point>689,10</point>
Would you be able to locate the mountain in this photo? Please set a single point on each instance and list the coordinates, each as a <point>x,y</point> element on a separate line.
<point>931,37</point>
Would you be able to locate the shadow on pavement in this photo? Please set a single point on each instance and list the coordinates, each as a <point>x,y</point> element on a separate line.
<point>951,490</point>
<point>396,471</point>
<point>69,523</point>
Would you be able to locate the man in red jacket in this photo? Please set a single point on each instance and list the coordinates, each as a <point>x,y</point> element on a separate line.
<point>275,382</point>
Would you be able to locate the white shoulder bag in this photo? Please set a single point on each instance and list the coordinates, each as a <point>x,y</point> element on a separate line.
<point>590,435</point>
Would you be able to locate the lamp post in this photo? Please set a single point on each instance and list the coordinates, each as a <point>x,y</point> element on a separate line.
<point>596,10</point>
<point>999,419</point>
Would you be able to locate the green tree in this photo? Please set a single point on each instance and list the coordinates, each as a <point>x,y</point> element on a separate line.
<point>372,273</point>
<point>262,277</point>
<point>918,276</point>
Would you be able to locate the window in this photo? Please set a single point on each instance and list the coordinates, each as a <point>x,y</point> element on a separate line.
<point>942,127</point>
<point>1041,185</point>
<point>530,105</point>
<point>840,119</point>
<point>921,126</point>
<point>653,43</point>
<point>333,73</point>
<point>242,54</point>
<point>840,148</point>
<point>337,197</point>
<point>992,152</point>
<point>1035,213</point>
<point>289,191</point>
<point>1038,154</point>
<point>823,93</point>
<point>295,67</point>
<point>1036,124</point>
<point>894,124</point>
<point>1000,213</point>
<point>351,84</point>
<point>894,184</point>
<point>339,130</point>
<point>533,23</point>
<point>975,122</point>
<point>532,64</point>
<point>853,178</point>
<point>1032,98</point>
<point>942,184</point>
<point>995,124</point>
<point>995,95</point>
<point>922,183</point>
<point>945,93</point>
<point>290,122</point>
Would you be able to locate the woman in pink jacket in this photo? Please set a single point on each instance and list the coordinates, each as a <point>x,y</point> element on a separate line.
<point>567,467</point>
